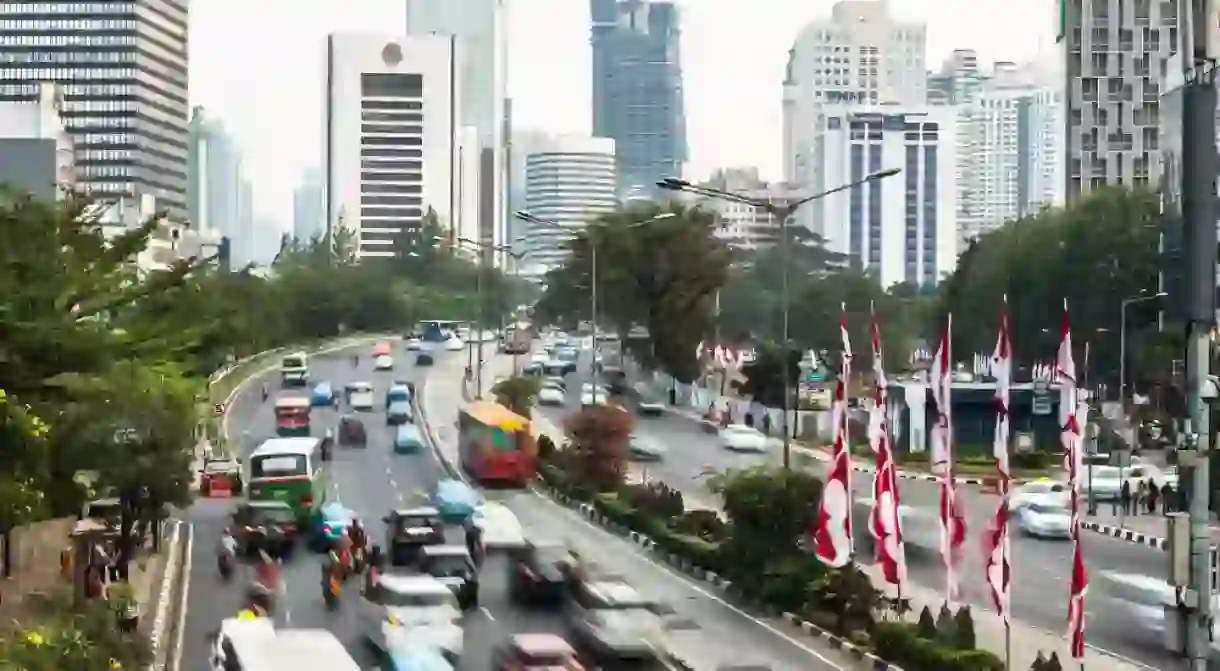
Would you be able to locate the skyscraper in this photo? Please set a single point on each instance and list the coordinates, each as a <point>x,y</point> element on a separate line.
<point>479,29</point>
<point>123,71</point>
<point>570,181</point>
<point>308,207</point>
<point>637,88</point>
<point>214,169</point>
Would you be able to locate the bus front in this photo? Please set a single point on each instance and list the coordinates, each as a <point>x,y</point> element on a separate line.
<point>294,370</point>
<point>283,476</point>
<point>496,445</point>
<point>292,416</point>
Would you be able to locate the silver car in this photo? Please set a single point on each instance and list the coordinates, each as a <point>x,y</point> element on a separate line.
<point>614,621</point>
<point>1045,519</point>
<point>402,611</point>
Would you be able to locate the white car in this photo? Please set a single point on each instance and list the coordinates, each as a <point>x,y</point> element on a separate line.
<point>540,358</point>
<point>1045,519</point>
<point>383,362</point>
<point>650,406</point>
<point>615,618</point>
<point>1105,482</point>
<point>742,438</point>
<point>552,395</point>
<point>591,394</point>
<point>501,528</point>
<point>1039,491</point>
<point>454,344</point>
<point>412,610</point>
<point>414,345</point>
<point>360,396</point>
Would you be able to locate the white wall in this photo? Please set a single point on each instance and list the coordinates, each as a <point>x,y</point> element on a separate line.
<point>436,59</point>
<point>467,171</point>
<point>573,181</point>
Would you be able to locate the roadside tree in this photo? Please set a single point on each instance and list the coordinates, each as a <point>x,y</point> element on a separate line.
<point>518,394</point>
<point>597,451</point>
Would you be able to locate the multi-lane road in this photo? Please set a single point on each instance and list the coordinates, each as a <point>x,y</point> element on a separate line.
<point>705,630</point>
<point>1041,568</point>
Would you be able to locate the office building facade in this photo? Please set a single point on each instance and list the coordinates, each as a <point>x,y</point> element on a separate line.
<point>637,89</point>
<point>392,131</point>
<point>123,71</point>
<point>36,150</point>
<point>308,213</point>
<point>744,226</point>
<point>571,182</point>
<point>215,175</point>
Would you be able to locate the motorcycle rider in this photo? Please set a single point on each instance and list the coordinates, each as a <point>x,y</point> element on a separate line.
<point>344,545</point>
<point>267,580</point>
<point>358,536</point>
<point>227,553</point>
<point>375,562</point>
<point>265,392</point>
<point>355,360</point>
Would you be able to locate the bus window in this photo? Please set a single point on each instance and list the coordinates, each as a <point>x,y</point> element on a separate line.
<point>279,466</point>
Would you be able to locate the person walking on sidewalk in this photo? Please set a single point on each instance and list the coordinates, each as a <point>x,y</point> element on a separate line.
<point>1124,497</point>
<point>1166,498</point>
<point>1140,494</point>
<point>1154,493</point>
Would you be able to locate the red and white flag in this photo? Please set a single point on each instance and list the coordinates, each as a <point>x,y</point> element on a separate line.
<point>884,522</point>
<point>952,521</point>
<point>833,535</point>
<point>1065,375</point>
<point>998,547</point>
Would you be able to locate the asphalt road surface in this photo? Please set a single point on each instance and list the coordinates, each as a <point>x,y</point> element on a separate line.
<point>1041,568</point>
<point>704,629</point>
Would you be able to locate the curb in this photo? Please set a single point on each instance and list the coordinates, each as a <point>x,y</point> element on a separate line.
<point>161,615</point>
<point>1124,534</point>
<point>691,570</point>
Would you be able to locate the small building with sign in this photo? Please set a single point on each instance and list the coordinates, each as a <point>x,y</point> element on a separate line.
<point>1033,412</point>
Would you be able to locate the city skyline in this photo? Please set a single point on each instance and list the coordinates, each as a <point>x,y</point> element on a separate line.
<point>732,93</point>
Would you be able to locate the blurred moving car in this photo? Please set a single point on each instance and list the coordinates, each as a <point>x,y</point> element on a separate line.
<point>454,344</point>
<point>323,395</point>
<point>398,391</point>
<point>424,359</point>
<point>383,362</point>
<point>551,394</point>
<point>645,449</point>
<point>594,394</point>
<point>401,612</point>
<point>742,438</point>
<point>614,621</point>
<point>501,528</point>
<point>408,530</point>
<point>536,652</point>
<point>455,500</point>
<point>410,655</point>
<point>361,396</point>
<point>539,573</point>
<point>408,439</point>
<point>221,474</point>
<point>331,521</point>
<point>352,432</point>
<point>1103,484</point>
<point>1045,519</point>
<point>414,344</point>
<point>1040,491</point>
<point>270,526</point>
<point>453,566</point>
<point>399,412</point>
<point>649,403</point>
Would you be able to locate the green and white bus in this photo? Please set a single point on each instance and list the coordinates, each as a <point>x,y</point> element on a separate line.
<point>294,370</point>
<point>289,470</point>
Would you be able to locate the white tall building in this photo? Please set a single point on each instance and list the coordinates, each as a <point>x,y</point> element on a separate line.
<point>902,228</point>
<point>571,182</point>
<point>859,55</point>
<point>308,214</point>
<point>392,136</point>
<point>745,226</point>
<point>479,27</point>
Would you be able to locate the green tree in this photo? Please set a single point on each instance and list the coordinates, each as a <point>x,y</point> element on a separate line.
<point>662,274</point>
<point>770,511</point>
<point>518,394</point>
<point>764,377</point>
<point>597,450</point>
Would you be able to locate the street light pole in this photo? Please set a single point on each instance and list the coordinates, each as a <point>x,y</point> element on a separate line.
<point>480,313</point>
<point>783,215</point>
<point>1122,343</point>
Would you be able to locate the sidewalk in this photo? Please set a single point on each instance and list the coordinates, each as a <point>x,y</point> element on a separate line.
<point>1144,529</point>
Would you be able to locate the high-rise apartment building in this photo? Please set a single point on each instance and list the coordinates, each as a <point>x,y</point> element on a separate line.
<point>36,150</point>
<point>571,182</point>
<point>392,136</point>
<point>1113,51</point>
<point>637,88</point>
<point>123,71</point>
<point>214,176</point>
<point>479,27</point>
<point>308,207</point>
<point>858,56</point>
<point>745,226</point>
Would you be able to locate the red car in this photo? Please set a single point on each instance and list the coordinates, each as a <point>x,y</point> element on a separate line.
<point>220,475</point>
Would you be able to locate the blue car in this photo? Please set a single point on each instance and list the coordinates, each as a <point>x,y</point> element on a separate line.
<point>323,395</point>
<point>397,393</point>
<point>329,524</point>
<point>408,439</point>
<point>399,412</point>
<point>418,659</point>
<point>456,501</point>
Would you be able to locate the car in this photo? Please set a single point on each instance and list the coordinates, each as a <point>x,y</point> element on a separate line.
<point>536,652</point>
<point>1103,484</point>
<point>742,438</point>
<point>559,367</point>
<point>615,621</point>
<point>414,344</point>
<point>424,359</point>
<point>222,474</point>
<point>500,526</point>
<point>594,394</point>
<point>645,449</point>
<point>1039,491</point>
<point>398,612</point>
<point>534,370</point>
<point>352,432</point>
<point>332,520</point>
<point>398,391</point>
<point>556,381</point>
<point>453,566</point>
<point>649,403</point>
<point>455,500</point>
<point>383,362</point>
<point>408,439</point>
<point>323,395</point>
<point>410,529</point>
<point>270,526</point>
<point>399,412</point>
<point>540,572</point>
<point>415,656</point>
<point>540,358</point>
<point>1045,519</point>
<point>552,395</point>
<point>454,344</point>
<point>361,396</point>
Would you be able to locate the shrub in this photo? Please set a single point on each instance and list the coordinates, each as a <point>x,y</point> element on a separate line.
<point>901,644</point>
<point>946,629</point>
<point>655,499</point>
<point>704,524</point>
<point>546,448</point>
<point>964,625</point>
<point>770,512</point>
<point>849,595</point>
<point>1035,460</point>
<point>927,624</point>
<point>598,452</point>
<point>518,394</point>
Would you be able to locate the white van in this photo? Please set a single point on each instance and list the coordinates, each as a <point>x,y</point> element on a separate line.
<point>255,645</point>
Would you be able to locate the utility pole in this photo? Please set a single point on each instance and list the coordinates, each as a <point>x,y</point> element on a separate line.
<point>1199,213</point>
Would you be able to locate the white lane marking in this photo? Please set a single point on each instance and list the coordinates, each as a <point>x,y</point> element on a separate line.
<point>388,470</point>
<point>393,483</point>
<point>287,617</point>
<point>487,613</point>
<point>660,568</point>
<point>187,560</point>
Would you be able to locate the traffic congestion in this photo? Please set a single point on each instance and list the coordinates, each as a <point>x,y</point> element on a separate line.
<point>349,529</point>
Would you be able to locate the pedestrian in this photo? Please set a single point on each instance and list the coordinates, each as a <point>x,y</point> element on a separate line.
<point>1153,494</point>
<point>766,422</point>
<point>474,542</point>
<point>1166,498</point>
<point>1124,497</point>
<point>1138,501</point>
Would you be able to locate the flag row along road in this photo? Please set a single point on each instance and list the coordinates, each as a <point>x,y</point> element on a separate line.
<point>1041,568</point>
<point>706,631</point>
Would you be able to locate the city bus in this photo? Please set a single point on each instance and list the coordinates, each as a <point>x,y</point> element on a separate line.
<point>289,470</point>
<point>292,415</point>
<point>294,370</point>
<point>496,445</point>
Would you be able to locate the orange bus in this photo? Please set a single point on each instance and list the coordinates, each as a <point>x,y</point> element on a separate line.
<point>496,445</point>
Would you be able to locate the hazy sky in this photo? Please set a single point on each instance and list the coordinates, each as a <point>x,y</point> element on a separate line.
<point>258,64</point>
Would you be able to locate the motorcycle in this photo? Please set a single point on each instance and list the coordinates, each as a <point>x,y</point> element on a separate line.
<point>224,563</point>
<point>330,588</point>
<point>359,561</point>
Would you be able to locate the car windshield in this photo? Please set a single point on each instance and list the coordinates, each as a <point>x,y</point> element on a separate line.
<point>360,388</point>
<point>447,566</point>
<point>417,599</point>
<point>1044,509</point>
<point>548,658</point>
<point>271,515</point>
<point>218,466</point>
<point>551,386</point>
<point>1105,473</point>
<point>416,521</point>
